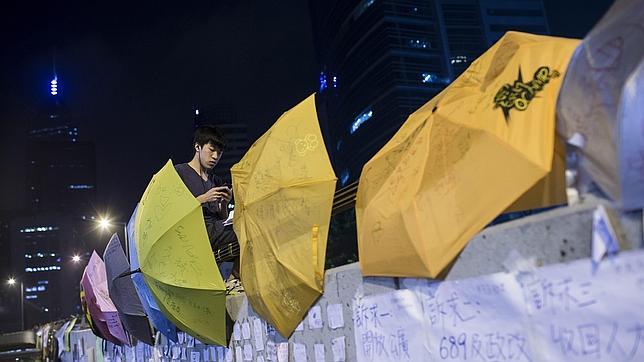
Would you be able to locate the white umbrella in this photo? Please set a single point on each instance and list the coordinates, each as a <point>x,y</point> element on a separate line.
<point>599,106</point>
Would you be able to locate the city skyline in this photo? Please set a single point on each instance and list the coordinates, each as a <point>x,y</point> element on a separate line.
<point>133,85</point>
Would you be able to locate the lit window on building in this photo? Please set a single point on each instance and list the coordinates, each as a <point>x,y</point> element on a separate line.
<point>418,43</point>
<point>432,78</point>
<point>80,187</point>
<point>344,177</point>
<point>42,269</point>
<point>322,81</point>
<point>362,118</point>
<point>458,59</point>
<point>31,296</point>
<point>39,229</point>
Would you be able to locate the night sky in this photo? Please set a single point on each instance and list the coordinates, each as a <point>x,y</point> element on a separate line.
<point>132,75</point>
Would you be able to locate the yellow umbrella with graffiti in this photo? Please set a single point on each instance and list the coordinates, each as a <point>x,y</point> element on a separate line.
<point>176,259</point>
<point>463,158</point>
<point>284,188</point>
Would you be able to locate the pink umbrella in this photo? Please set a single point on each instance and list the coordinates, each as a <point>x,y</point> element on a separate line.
<point>100,306</point>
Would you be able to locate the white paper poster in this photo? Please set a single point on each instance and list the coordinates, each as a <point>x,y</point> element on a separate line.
<point>478,319</point>
<point>299,352</point>
<point>282,352</point>
<point>338,349</point>
<point>319,352</point>
<point>389,327</point>
<point>258,331</point>
<point>245,330</point>
<point>335,316</point>
<point>315,317</point>
<point>248,352</point>
<point>578,315</point>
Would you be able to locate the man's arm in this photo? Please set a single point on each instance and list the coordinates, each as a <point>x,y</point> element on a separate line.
<point>221,195</point>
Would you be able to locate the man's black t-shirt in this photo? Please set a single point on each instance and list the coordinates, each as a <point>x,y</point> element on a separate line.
<point>213,217</point>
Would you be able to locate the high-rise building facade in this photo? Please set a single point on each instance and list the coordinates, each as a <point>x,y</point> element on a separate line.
<point>500,16</point>
<point>43,248</point>
<point>380,60</point>
<point>61,194</point>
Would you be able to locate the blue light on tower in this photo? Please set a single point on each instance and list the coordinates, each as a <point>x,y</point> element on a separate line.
<point>54,86</point>
<point>323,84</point>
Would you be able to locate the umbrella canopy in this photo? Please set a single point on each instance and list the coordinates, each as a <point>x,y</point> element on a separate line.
<point>463,158</point>
<point>104,316</point>
<point>284,188</point>
<point>123,292</point>
<point>150,306</point>
<point>88,317</point>
<point>601,103</point>
<point>176,259</point>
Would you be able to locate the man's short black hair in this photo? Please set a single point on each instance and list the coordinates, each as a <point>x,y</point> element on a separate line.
<point>209,134</point>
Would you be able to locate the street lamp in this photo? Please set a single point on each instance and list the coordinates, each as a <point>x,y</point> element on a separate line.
<point>76,258</point>
<point>11,282</point>
<point>105,223</point>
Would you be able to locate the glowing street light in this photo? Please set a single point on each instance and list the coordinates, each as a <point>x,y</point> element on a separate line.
<point>104,223</point>
<point>11,282</point>
<point>76,258</point>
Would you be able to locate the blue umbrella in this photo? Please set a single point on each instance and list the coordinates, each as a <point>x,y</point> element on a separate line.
<point>159,321</point>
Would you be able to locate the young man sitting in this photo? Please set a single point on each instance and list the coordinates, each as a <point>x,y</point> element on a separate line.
<point>209,189</point>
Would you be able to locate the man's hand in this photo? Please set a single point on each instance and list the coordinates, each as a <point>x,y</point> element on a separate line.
<point>219,194</point>
<point>228,193</point>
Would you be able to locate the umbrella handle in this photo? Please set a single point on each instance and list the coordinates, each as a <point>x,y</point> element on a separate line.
<point>124,274</point>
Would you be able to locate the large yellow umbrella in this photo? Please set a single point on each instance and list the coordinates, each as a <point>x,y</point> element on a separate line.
<point>176,259</point>
<point>463,158</point>
<point>284,188</point>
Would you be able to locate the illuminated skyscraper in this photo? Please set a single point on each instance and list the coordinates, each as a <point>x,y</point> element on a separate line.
<point>61,191</point>
<point>382,59</point>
